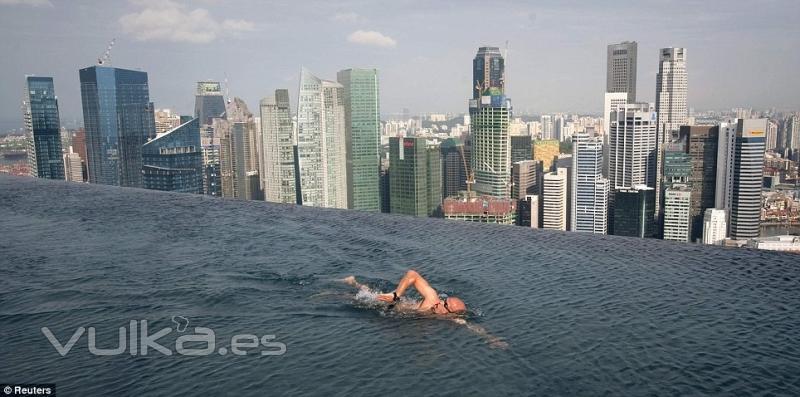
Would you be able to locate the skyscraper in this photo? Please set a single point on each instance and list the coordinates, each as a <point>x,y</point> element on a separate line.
<point>321,147</point>
<point>525,176</point>
<point>725,150</point>
<point>632,146</point>
<point>715,227</point>
<point>621,69</point>
<point>237,146</point>
<point>748,170</point>
<point>208,102</point>
<point>454,159</point>
<point>414,177</point>
<point>554,200</point>
<point>362,137</point>
<point>73,167</point>
<point>277,164</point>
<point>42,128</point>
<point>173,161</point>
<point>118,118</point>
<point>490,115</point>
<point>589,204</point>
<point>671,105</point>
<point>634,212</point>
<point>703,147</point>
<point>488,70</point>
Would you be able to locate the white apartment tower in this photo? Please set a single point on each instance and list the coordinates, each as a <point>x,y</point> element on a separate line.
<point>277,152</point>
<point>589,204</point>
<point>671,105</point>
<point>677,207</point>
<point>554,200</point>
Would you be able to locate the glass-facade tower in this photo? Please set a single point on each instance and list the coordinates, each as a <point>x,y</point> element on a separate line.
<point>174,161</point>
<point>118,118</point>
<point>43,127</point>
<point>362,137</point>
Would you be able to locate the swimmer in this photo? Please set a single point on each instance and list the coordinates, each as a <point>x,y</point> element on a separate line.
<point>431,303</point>
<point>450,307</point>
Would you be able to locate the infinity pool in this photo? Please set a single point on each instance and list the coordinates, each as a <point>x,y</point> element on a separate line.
<point>581,314</point>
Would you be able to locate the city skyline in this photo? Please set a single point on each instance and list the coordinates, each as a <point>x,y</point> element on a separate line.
<point>362,34</point>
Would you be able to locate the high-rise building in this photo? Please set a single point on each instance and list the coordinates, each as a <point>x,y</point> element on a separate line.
<point>521,148</point>
<point>491,143</point>
<point>277,164</point>
<point>488,70</point>
<point>208,102</point>
<point>237,148</point>
<point>792,135</point>
<point>589,200</point>
<point>634,212</point>
<point>414,177</point>
<point>632,146</point>
<point>525,177</point>
<point>118,118</point>
<point>554,200</point>
<point>547,127</point>
<point>772,135</point>
<point>362,137</point>
<point>173,161</point>
<point>73,167</point>
<point>210,148</point>
<point>454,161</point>
<point>621,69</point>
<point>671,105</point>
<point>546,151</point>
<point>612,102</point>
<point>677,209</point>
<point>166,120</point>
<point>748,170</point>
<point>715,226</point>
<point>42,128</point>
<point>703,147</point>
<point>725,150</point>
<point>528,211</point>
<point>321,146</point>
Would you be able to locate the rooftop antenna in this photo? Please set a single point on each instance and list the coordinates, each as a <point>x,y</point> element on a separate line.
<point>106,57</point>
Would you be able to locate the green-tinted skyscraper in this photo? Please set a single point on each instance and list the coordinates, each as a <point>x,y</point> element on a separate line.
<point>414,177</point>
<point>362,125</point>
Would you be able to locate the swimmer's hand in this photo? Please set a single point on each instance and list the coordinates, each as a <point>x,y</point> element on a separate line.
<point>351,280</point>
<point>386,297</point>
<point>460,321</point>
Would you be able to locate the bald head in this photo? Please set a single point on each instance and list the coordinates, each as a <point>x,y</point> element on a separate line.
<point>455,305</point>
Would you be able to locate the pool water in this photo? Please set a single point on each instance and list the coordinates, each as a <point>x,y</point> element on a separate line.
<point>580,314</point>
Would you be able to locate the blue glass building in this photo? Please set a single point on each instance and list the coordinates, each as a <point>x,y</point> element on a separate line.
<point>45,158</point>
<point>118,118</point>
<point>174,160</point>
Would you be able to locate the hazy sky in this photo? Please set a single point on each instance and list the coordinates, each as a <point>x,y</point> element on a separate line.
<point>740,53</point>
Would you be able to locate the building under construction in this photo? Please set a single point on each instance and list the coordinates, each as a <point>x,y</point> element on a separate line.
<point>484,209</point>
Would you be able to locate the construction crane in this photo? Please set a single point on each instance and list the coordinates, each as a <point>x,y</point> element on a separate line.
<point>470,174</point>
<point>106,57</point>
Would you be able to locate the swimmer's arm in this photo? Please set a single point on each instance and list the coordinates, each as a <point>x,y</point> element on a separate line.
<point>494,341</point>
